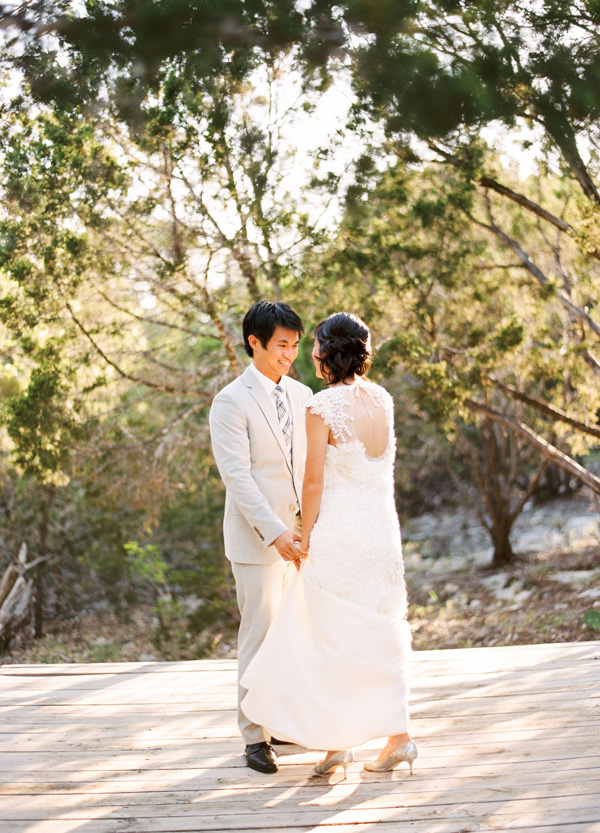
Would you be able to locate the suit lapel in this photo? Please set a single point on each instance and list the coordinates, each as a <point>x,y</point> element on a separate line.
<point>297,427</point>
<point>261,397</point>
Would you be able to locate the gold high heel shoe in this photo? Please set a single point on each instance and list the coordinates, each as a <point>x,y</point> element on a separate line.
<point>407,753</point>
<point>342,758</point>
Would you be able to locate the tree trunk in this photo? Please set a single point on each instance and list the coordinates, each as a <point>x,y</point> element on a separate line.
<point>503,551</point>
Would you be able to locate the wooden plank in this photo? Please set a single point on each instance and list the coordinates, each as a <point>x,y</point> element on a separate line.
<point>314,792</point>
<point>60,730</point>
<point>100,740</point>
<point>37,677</point>
<point>170,734</point>
<point>220,769</point>
<point>497,813</point>
<point>191,826</point>
<point>239,777</point>
<point>237,785</point>
<point>534,684</point>
<point>522,679</point>
<point>181,675</point>
<point>525,700</point>
<point>424,714</point>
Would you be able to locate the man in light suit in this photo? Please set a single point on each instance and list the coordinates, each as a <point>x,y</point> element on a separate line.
<point>259,443</point>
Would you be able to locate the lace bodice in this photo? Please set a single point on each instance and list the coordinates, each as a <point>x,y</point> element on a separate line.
<point>348,459</point>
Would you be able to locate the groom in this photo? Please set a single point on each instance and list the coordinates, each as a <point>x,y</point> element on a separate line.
<point>259,443</point>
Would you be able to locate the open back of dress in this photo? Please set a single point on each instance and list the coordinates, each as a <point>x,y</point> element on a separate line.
<point>366,420</point>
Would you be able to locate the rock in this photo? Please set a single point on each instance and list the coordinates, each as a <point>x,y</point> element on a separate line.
<point>495,582</point>
<point>191,603</point>
<point>581,528</point>
<point>575,577</point>
<point>483,557</point>
<point>590,592</point>
<point>147,658</point>
<point>501,590</point>
<point>537,537</point>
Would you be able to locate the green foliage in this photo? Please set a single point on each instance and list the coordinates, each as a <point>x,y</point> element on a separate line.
<point>418,262</point>
<point>147,565</point>
<point>592,619</point>
<point>428,68</point>
<point>145,178</point>
<point>39,421</point>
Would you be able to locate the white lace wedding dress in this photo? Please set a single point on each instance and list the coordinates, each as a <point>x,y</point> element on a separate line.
<point>332,671</point>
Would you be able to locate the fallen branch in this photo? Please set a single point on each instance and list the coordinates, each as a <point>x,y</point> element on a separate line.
<point>16,593</point>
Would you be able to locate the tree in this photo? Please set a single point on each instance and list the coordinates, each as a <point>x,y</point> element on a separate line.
<point>447,306</point>
<point>128,256</point>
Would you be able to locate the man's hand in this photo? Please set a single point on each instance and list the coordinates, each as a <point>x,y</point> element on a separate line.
<point>286,546</point>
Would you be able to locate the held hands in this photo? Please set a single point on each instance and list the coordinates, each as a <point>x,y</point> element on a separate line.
<point>287,548</point>
<point>290,548</point>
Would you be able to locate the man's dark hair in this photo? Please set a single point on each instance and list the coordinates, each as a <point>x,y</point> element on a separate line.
<point>262,318</point>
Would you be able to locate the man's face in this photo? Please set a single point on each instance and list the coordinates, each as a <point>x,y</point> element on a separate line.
<point>275,360</point>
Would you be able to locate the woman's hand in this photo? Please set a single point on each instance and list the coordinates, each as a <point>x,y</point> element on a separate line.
<point>302,547</point>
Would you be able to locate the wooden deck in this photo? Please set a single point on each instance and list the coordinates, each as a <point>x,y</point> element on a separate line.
<point>509,739</point>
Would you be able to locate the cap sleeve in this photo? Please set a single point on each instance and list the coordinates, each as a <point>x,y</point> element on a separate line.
<point>330,405</point>
<point>318,404</point>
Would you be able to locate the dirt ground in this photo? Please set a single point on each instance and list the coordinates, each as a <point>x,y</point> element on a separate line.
<point>542,598</point>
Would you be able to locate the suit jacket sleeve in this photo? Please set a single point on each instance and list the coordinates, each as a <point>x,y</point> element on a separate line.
<point>231,449</point>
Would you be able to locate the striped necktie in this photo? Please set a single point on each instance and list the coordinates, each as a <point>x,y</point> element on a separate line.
<point>284,417</point>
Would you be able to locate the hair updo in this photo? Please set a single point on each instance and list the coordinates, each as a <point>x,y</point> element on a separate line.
<point>344,347</point>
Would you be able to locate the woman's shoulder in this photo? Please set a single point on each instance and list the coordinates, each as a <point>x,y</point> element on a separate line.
<point>318,399</point>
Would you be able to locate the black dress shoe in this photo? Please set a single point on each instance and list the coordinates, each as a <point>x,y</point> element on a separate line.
<point>261,757</point>
<point>282,742</point>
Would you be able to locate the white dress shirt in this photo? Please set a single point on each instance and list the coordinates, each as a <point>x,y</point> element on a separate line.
<point>269,385</point>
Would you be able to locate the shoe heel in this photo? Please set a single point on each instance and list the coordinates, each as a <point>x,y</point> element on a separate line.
<point>342,758</point>
<point>406,753</point>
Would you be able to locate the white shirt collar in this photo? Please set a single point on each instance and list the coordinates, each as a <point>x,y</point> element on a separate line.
<point>268,384</point>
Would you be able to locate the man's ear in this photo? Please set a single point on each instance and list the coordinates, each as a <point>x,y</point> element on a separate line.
<point>253,342</point>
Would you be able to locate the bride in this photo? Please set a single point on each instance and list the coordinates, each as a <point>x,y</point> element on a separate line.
<point>332,671</point>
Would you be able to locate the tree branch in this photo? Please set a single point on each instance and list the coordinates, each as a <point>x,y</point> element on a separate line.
<point>544,408</point>
<point>547,451</point>
<point>541,278</point>
<point>123,374</point>
<point>520,199</point>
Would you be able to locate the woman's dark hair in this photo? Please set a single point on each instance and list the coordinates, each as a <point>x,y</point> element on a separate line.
<point>344,346</point>
<point>262,318</point>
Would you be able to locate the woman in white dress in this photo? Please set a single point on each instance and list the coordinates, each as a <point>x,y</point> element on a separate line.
<point>332,671</point>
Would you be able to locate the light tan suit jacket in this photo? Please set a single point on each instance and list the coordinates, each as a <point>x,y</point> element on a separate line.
<point>263,489</point>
